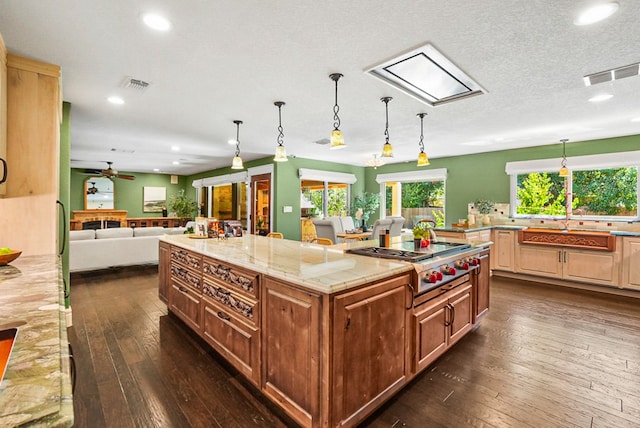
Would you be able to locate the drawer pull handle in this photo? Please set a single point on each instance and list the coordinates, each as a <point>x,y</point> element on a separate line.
<point>223,316</point>
<point>182,289</point>
<point>227,268</point>
<point>223,291</point>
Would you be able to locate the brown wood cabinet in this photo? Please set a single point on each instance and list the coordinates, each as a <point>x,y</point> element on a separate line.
<point>185,292</point>
<point>440,322</point>
<point>164,277</point>
<point>3,115</point>
<point>29,219</point>
<point>370,348</point>
<point>503,252</point>
<point>631,263</point>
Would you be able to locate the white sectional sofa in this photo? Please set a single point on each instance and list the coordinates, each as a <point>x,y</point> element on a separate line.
<point>123,246</point>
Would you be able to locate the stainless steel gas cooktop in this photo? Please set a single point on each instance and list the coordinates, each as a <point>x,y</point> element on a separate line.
<point>407,252</point>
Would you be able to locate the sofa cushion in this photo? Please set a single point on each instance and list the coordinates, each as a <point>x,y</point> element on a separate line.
<point>81,235</point>
<point>117,232</point>
<point>149,231</point>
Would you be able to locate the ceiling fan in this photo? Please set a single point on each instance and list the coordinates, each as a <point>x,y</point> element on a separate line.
<point>109,172</point>
<point>93,189</point>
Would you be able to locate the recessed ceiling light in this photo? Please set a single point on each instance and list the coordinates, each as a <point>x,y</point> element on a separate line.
<point>636,119</point>
<point>156,169</point>
<point>596,13</point>
<point>156,22</point>
<point>175,163</point>
<point>115,100</point>
<point>232,142</point>
<point>600,98</point>
<point>175,148</point>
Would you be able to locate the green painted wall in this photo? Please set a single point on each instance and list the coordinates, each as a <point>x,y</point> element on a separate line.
<point>127,193</point>
<point>63,193</point>
<point>482,176</point>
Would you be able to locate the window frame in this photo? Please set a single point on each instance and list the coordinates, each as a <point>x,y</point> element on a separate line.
<point>576,163</point>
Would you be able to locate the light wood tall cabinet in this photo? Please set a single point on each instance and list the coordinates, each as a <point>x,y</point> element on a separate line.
<point>29,218</point>
<point>631,263</point>
<point>503,250</point>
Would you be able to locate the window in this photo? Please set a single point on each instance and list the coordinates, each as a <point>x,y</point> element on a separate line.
<point>603,186</point>
<point>414,195</point>
<point>327,191</point>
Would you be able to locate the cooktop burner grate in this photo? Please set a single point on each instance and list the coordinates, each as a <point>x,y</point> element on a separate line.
<point>435,249</point>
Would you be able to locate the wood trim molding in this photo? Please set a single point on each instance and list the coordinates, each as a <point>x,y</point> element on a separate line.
<point>587,240</point>
<point>32,65</point>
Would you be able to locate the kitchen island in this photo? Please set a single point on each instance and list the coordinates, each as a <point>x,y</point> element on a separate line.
<point>327,336</point>
<point>36,389</point>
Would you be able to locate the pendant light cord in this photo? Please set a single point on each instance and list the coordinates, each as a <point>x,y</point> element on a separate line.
<point>237,122</point>
<point>386,126</point>
<point>421,142</point>
<point>336,108</point>
<point>280,133</point>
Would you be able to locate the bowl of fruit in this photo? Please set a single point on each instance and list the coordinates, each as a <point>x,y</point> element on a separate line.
<point>7,255</point>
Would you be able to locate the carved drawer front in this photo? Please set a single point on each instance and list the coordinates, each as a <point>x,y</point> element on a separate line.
<point>186,276</point>
<point>185,303</point>
<point>245,282</point>
<point>234,302</point>
<point>187,258</point>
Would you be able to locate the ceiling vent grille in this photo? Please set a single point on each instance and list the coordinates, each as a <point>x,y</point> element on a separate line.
<point>611,75</point>
<point>427,75</point>
<point>137,84</point>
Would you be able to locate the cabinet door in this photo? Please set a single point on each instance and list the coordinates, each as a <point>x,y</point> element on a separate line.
<point>631,263</point>
<point>291,354</point>
<point>597,267</point>
<point>540,260</point>
<point>482,281</point>
<point>461,316</point>
<point>503,250</point>
<point>185,303</point>
<point>237,342</point>
<point>164,278</point>
<point>370,348</point>
<point>430,333</point>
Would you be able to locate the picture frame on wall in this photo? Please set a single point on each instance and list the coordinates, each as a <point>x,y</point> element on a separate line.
<point>154,199</point>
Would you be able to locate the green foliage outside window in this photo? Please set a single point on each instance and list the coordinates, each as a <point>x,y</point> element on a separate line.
<point>336,205</point>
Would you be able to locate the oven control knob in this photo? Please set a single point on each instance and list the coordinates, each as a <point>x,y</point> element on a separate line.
<point>447,270</point>
<point>431,277</point>
<point>461,264</point>
<point>474,261</point>
<point>437,274</point>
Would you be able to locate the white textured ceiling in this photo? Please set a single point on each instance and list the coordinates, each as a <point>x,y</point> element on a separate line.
<point>226,60</point>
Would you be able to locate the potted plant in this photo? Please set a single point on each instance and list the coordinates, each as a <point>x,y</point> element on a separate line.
<point>484,207</point>
<point>183,207</point>
<point>421,235</point>
<point>367,203</point>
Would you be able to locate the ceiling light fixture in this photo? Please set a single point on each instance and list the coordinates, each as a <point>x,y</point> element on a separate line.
<point>337,139</point>
<point>564,172</point>
<point>423,160</point>
<point>237,160</point>
<point>387,150</point>
<point>115,100</point>
<point>281,153</point>
<point>596,13</point>
<point>600,98</point>
<point>375,162</point>
<point>156,22</point>
<point>636,119</point>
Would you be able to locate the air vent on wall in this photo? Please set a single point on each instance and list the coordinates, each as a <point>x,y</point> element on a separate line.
<point>426,74</point>
<point>613,74</point>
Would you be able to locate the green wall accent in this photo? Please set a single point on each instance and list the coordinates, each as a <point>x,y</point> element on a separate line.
<point>128,193</point>
<point>63,193</point>
<point>482,176</point>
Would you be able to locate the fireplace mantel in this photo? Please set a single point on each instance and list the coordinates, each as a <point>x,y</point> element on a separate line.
<point>81,216</point>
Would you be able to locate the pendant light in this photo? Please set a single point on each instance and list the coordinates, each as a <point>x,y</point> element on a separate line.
<point>423,160</point>
<point>337,139</point>
<point>564,172</point>
<point>281,153</point>
<point>387,150</point>
<point>237,160</point>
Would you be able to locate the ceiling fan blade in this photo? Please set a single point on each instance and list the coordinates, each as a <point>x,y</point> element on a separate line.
<point>92,172</point>
<point>126,177</point>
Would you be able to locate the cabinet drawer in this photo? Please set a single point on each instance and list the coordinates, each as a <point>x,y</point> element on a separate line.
<point>236,341</point>
<point>232,301</point>
<point>232,277</point>
<point>182,274</point>
<point>185,303</point>
<point>187,258</point>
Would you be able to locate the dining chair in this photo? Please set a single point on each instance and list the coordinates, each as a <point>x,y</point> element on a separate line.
<point>397,222</point>
<point>275,235</point>
<point>380,226</point>
<point>326,228</point>
<point>322,241</point>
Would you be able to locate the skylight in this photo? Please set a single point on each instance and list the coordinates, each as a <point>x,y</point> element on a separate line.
<point>427,75</point>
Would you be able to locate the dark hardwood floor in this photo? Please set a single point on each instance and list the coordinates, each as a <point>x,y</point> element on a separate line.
<point>544,356</point>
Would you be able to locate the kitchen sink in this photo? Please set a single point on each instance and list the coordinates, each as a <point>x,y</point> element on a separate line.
<point>7,338</point>
<point>577,238</point>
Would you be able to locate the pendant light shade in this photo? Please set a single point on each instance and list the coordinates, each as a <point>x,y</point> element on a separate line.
<point>237,160</point>
<point>337,139</point>
<point>564,171</point>
<point>387,149</point>
<point>281,153</point>
<point>423,160</point>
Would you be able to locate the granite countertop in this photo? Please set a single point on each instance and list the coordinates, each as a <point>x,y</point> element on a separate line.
<point>478,227</point>
<point>36,389</point>
<point>322,268</point>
